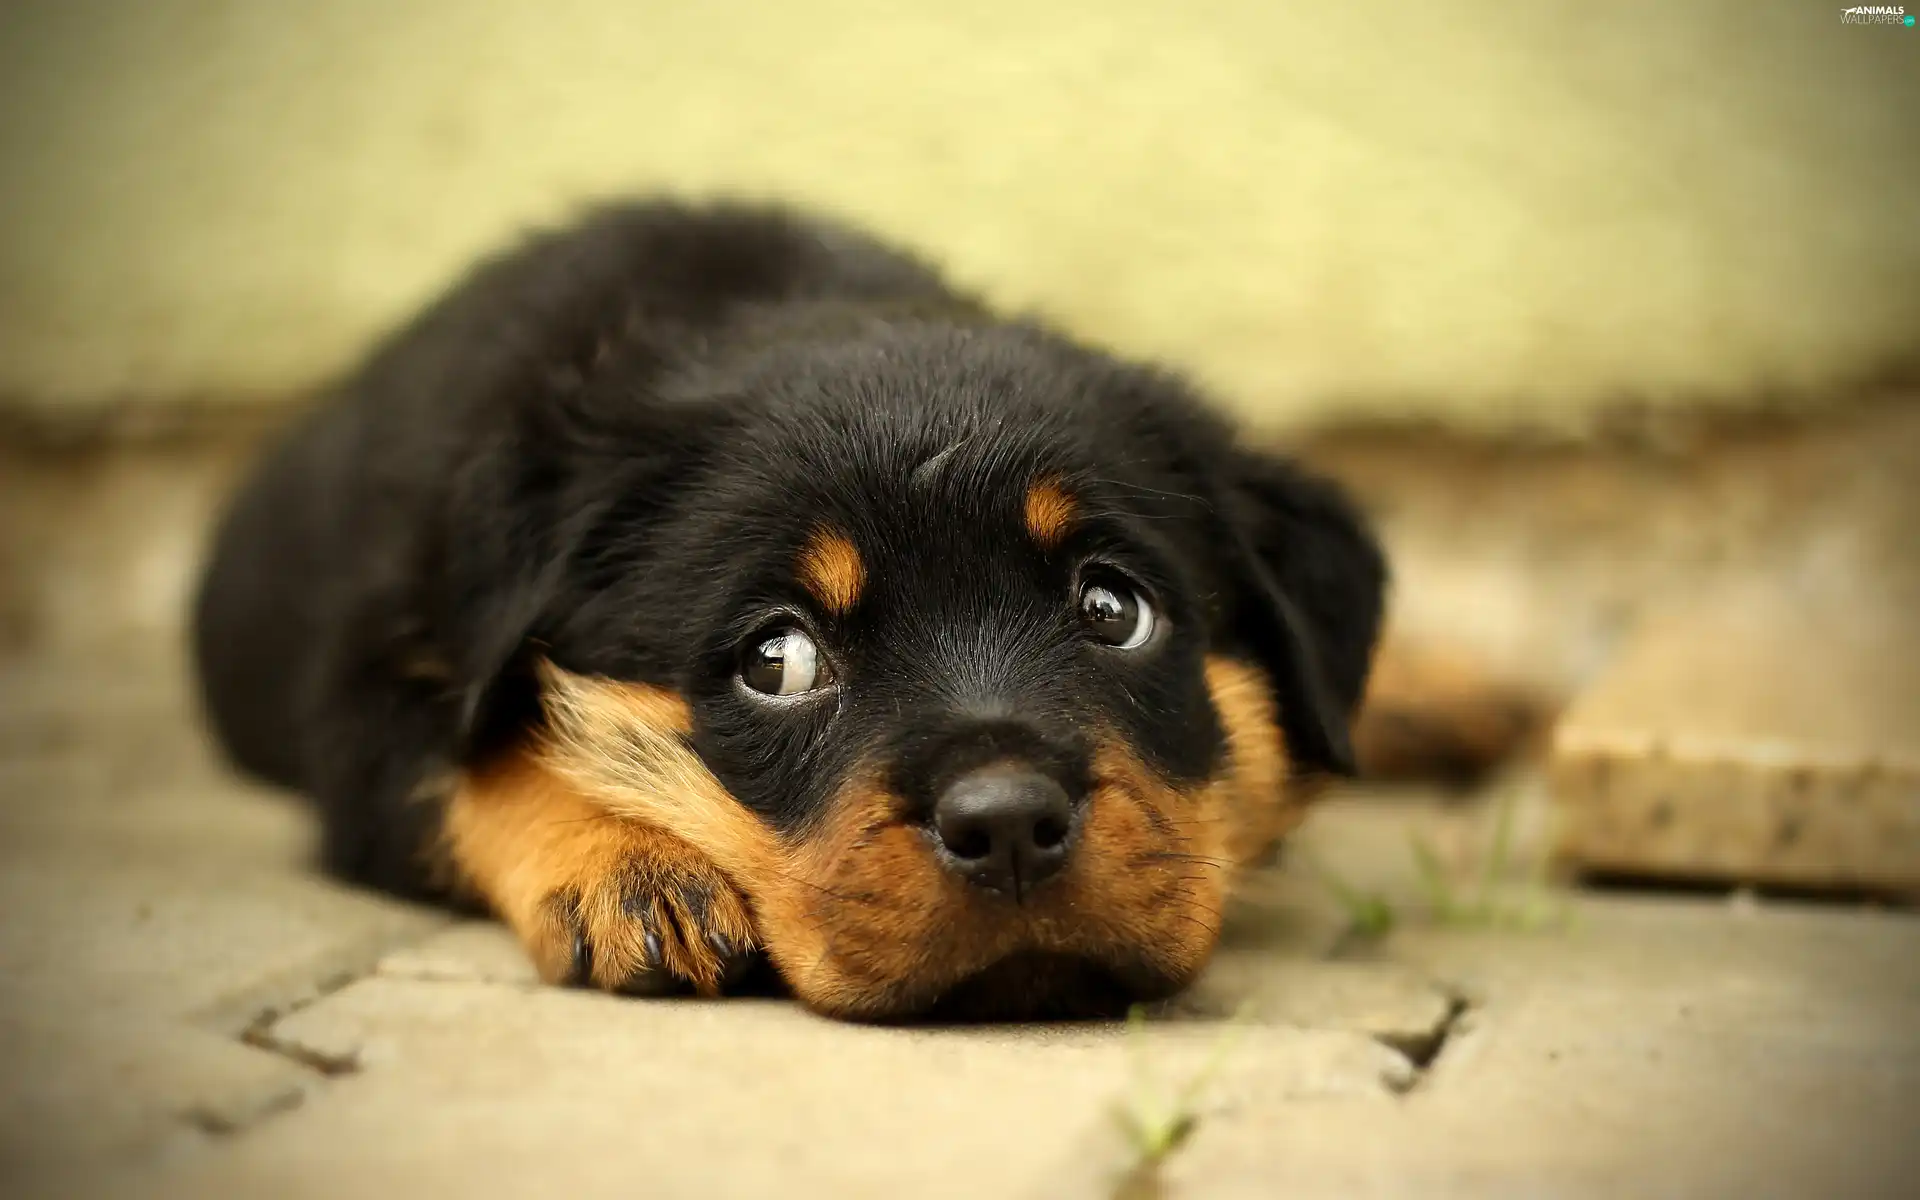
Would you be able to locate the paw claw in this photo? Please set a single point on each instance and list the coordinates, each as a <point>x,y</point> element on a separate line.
<point>580,974</point>
<point>735,968</point>
<point>650,919</point>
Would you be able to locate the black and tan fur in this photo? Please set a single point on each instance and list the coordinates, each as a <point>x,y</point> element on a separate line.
<point>489,607</point>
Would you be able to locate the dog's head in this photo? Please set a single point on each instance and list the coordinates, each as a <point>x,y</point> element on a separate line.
<point>977,660</point>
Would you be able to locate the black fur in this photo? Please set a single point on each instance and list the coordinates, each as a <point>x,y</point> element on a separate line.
<point>607,448</point>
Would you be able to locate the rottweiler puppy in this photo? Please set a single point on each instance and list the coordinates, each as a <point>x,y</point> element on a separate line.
<point>705,582</point>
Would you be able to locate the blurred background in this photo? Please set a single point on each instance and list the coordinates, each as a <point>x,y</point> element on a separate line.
<point>1509,216</point>
<point>1610,313</point>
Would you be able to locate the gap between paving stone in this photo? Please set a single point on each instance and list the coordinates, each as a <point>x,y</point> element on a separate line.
<point>480,952</point>
<point>258,1035</point>
<point>1404,1013</point>
<point>257,1032</point>
<point>1398,1005</point>
<point>1422,1048</point>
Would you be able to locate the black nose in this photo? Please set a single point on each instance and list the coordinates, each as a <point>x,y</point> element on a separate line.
<point>1004,828</point>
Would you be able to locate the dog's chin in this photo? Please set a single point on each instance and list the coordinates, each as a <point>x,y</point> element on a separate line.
<point>1038,985</point>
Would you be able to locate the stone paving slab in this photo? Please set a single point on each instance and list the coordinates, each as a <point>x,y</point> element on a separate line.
<point>539,1092</point>
<point>1768,733</point>
<point>89,1089</point>
<point>186,1010</point>
<point>1670,1048</point>
<point>156,908</point>
<point>466,952</point>
<point>1674,1047</point>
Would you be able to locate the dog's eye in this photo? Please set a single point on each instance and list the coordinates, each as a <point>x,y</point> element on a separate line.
<point>784,663</point>
<point>1115,613</point>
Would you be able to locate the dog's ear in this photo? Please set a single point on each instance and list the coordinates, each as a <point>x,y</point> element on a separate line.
<point>1311,587</point>
<point>504,564</point>
<point>531,534</point>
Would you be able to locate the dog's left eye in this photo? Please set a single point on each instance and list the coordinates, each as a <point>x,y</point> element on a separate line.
<point>784,663</point>
<point>1116,613</point>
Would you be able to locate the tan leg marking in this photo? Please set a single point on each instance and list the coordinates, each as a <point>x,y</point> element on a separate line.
<point>595,897</point>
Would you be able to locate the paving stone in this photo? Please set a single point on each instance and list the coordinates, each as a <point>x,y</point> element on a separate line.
<point>189,904</point>
<point>1392,1004</point>
<point>1661,1046</point>
<point>1769,733</point>
<point>157,908</point>
<point>1670,1048</point>
<point>467,952</point>
<point>87,1089</point>
<point>506,1091</point>
<point>1654,1046</point>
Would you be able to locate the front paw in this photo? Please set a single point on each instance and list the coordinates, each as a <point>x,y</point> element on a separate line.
<point>649,917</point>
<point>598,899</point>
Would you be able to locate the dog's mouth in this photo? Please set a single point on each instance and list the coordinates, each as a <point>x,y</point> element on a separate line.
<point>1037,985</point>
<point>866,922</point>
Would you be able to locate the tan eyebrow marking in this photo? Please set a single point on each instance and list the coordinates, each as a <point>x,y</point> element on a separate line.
<point>1050,512</point>
<point>830,568</point>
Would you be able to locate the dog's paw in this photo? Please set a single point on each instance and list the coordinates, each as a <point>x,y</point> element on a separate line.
<point>642,914</point>
<point>598,900</point>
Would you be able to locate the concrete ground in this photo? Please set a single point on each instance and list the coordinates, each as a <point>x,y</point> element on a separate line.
<point>188,1010</point>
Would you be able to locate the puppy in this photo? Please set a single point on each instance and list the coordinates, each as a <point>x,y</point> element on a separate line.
<point>700,583</point>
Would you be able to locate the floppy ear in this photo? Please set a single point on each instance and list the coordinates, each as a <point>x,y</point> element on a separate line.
<point>500,572</point>
<point>1312,584</point>
<point>534,538</point>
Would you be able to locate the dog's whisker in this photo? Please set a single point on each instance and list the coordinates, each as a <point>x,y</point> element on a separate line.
<point>1177,856</point>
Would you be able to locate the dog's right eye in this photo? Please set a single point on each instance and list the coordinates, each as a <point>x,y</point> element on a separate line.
<point>1115,612</point>
<point>785,662</point>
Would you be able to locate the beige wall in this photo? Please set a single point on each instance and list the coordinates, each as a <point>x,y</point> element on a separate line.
<point>1473,208</point>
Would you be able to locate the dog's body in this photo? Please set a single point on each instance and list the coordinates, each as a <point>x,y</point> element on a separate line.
<point>699,582</point>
